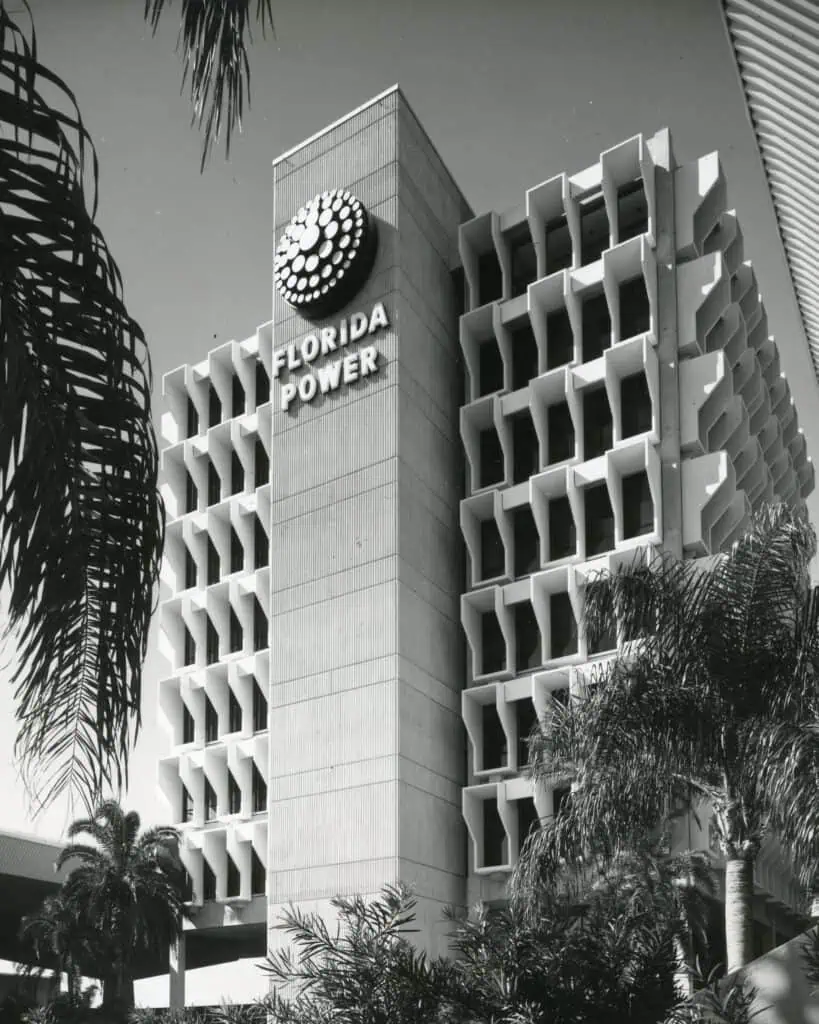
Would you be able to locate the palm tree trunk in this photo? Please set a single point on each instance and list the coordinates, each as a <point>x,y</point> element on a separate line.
<point>739,925</point>
<point>118,989</point>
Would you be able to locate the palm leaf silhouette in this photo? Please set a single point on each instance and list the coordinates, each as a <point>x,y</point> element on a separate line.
<point>81,523</point>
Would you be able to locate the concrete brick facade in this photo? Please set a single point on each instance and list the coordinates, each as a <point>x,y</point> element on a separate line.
<point>366,748</point>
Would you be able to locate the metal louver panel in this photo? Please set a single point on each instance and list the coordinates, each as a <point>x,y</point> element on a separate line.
<point>776,46</point>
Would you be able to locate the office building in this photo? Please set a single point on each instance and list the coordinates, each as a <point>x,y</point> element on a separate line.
<point>384,507</point>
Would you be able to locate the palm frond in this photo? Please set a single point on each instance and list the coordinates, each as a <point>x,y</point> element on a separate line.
<point>213,38</point>
<point>81,524</point>
<point>80,851</point>
<point>756,598</point>
<point>786,760</point>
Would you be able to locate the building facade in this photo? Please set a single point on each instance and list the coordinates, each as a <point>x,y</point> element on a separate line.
<point>384,506</point>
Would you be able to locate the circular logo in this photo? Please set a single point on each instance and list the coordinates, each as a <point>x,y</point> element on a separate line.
<point>325,254</point>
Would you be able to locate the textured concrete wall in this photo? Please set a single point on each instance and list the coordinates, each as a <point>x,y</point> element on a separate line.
<point>367,750</point>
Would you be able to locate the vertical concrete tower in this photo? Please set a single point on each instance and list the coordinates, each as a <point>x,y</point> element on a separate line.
<point>367,753</point>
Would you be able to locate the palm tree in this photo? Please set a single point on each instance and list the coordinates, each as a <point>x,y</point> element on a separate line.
<point>717,669</point>
<point>367,972</point>
<point>128,890</point>
<point>81,522</point>
<point>600,952</point>
<point>213,38</point>
<point>599,945</point>
<point>58,936</point>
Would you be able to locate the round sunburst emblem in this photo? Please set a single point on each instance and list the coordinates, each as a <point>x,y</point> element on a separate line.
<point>325,254</point>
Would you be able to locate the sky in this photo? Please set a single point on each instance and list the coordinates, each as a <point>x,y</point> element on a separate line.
<point>510,93</point>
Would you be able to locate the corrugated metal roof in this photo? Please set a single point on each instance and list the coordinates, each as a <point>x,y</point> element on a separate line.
<point>776,45</point>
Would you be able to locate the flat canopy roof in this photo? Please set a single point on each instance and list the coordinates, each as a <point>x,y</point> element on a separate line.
<point>27,877</point>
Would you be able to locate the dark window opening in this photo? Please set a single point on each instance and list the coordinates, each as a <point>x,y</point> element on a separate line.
<point>525,447</point>
<point>559,339</point>
<point>495,747</point>
<point>259,709</point>
<point>237,397</point>
<point>522,259</point>
<point>190,648</point>
<point>526,540</point>
<point>191,494</point>
<point>562,532</point>
<point>190,569</point>
<point>214,485</point>
<point>259,626</point>
<point>558,246</point>
<point>188,725</point>
<point>594,228</point>
<point>210,801</point>
<point>528,819</point>
<point>237,474</point>
<point>234,795</point>
<point>635,401</point>
<point>211,722</point>
<point>493,557</point>
<point>211,644</point>
<point>524,355</point>
<point>526,721</point>
<point>259,789</point>
<point>458,278</point>
<point>635,313</point>
<point>559,797</point>
<point>490,368</point>
<point>209,881</point>
<point>260,553</point>
<point>638,505</point>
<point>604,640</point>
<point>495,843</point>
<point>642,626</point>
<point>214,407</point>
<point>233,881</point>
<point>597,425</point>
<point>599,521</point>
<point>187,805</point>
<point>494,645</point>
<point>563,626</point>
<point>193,419</point>
<point>258,875</point>
<point>213,563</point>
<point>632,210</point>
<point>262,385</point>
<point>596,327</point>
<point>234,713</point>
<point>529,653</point>
<point>237,552</point>
<point>490,280</point>
<point>262,464</point>
<point>236,641</point>
<point>491,458</point>
<point>561,433</point>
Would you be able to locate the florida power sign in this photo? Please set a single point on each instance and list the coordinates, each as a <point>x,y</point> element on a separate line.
<point>322,260</point>
<point>330,374</point>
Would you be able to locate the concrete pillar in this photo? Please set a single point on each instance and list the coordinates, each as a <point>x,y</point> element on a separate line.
<point>176,974</point>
